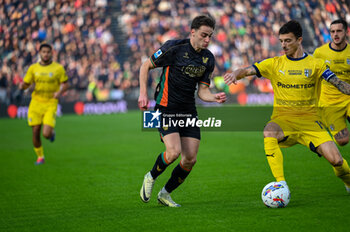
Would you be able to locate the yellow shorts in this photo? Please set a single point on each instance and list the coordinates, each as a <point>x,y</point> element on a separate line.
<point>42,113</point>
<point>308,131</point>
<point>335,116</point>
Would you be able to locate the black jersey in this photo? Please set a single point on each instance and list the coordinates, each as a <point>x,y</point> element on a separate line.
<point>183,69</point>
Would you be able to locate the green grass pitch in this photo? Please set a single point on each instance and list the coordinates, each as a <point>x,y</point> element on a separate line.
<point>95,168</point>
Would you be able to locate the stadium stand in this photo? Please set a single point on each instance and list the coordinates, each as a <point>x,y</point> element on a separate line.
<point>103,43</point>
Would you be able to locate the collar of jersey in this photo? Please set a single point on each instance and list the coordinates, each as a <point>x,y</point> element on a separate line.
<point>300,58</point>
<point>336,49</point>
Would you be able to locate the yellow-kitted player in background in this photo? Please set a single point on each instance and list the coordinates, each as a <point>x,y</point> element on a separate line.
<point>50,82</point>
<point>336,105</point>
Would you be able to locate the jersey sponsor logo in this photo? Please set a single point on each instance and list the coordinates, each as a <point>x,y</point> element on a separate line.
<point>307,72</point>
<point>338,61</point>
<point>186,55</point>
<point>283,72</point>
<point>348,61</point>
<point>295,72</point>
<point>205,59</point>
<point>47,81</point>
<point>339,72</point>
<point>194,71</point>
<point>50,74</point>
<point>295,102</point>
<point>158,53</point>
<point>295,86</point>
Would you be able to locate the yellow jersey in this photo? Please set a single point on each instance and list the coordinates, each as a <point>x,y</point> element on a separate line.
<point>296,83</point>
<point>338,62</point>
<point>47,80</point>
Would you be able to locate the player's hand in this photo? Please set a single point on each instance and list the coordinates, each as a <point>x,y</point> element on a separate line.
<point>21,85</point>
<point>56,95</point>
<point>220,97</point>
<point>143,102</point>
<point>230,78</point>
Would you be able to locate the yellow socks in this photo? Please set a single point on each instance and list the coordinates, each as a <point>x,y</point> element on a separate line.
<point>343,172</point>
<point>274,157</point>
<point>39,151</point>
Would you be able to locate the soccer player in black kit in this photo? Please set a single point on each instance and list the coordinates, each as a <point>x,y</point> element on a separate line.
<point>186,64</point>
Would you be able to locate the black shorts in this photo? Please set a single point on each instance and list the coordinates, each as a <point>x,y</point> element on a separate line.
<point>179,121</point>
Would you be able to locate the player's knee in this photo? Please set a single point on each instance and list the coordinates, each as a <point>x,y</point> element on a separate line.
<point>266,134</point>
<point>189,162</point>
<point>273,130</point>
<point>342,141</point>
<point>337,162</point>
<point>47,135</point>
<point>172,154</point>
<point>269,133</point>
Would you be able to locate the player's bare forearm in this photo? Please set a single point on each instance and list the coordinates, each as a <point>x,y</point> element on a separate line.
<point>206,95</point>
<point>343,86</point>
<point>64,87</point>
<point>248,71</point>
<point>143,96</point>
<point>232,78</point>
<point>144,70</point>
<point>23,86</point>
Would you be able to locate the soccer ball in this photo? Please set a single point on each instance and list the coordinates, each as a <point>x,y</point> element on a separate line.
<point>275,195</point>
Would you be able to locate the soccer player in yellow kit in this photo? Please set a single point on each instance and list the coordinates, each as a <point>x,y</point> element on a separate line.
<point>50,81</point>
<point>336,105</point>
<point>296,80</point>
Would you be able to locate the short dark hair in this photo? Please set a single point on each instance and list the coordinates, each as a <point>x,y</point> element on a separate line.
<point>292,27</point>
<point>45,45</point>
<point>203,20</point>
<point>342,21</point>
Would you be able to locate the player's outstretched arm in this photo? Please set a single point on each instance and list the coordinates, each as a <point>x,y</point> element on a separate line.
<point>232,78</point>
<point>343,86</point>
<point>206,95</point>
<point>143,96</point>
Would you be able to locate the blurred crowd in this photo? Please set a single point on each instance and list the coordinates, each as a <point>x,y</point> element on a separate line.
<point>84,43</point>
<point>246,31</point>
<point>323,12</point>
<point>79,32</point>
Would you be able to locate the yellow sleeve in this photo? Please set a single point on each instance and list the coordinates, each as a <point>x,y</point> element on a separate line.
<point>317,53</point>
<point>29,77</point>
<point>265,68</point>
<point>322,67</point>
<point>63,75</point>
